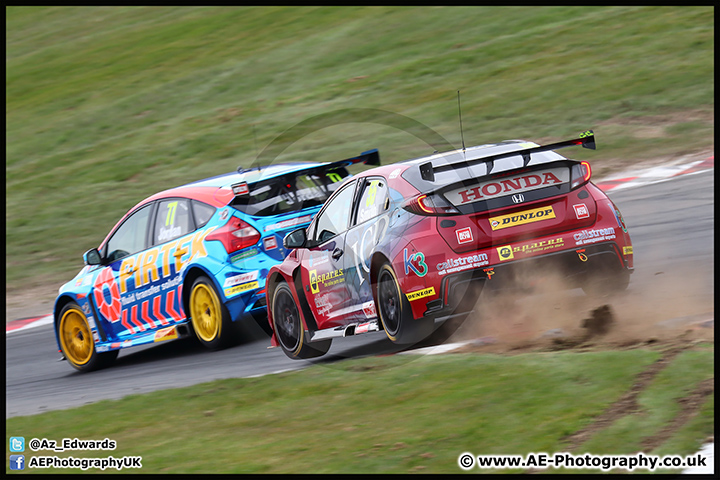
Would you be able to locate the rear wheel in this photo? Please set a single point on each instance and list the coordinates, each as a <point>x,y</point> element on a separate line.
<point>395,312</point>
<point>210,319</point>
<point>289,329</point>
<point>76,341</point>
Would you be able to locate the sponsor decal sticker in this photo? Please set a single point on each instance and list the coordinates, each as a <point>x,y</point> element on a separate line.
<point>628,250</point>
<point>368,310</point>
<point>169,333</point>
<point>109,305</point>
<point>499,187</point>
<point>416,263</point>
<point>288,223</point>
<point>464,235</point>
<point>270,242</point>
<point>322,303</point>
<point>156,263</point>
<point>539,246</point>
<point>505,253</point>
<point>327,279</point>
<point>581,255</point>
<point>521,218</point>
<point>241,188</point>
<point>246,254</point>
<point>489,272</point>
<point>581,211</point>
<point>232,291</point>
<point>619,218</point>
<point>584,237</point>
<point>462,263</point>
<point>240,279</point>
<point>314,287</point>
<point>426,292</point>
<point>362,328</point>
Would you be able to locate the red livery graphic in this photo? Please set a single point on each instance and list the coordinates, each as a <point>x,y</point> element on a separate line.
<point>420,240</point>
<point>105,286</point>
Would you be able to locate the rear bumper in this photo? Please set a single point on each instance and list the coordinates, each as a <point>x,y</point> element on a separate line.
<point>459,291</point>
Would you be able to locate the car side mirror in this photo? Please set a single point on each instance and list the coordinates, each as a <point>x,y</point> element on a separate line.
<point>295,239</point>
<point>92,257</point>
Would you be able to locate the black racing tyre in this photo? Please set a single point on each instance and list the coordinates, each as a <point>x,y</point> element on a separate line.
<point>289,329</point>
<point>209,318</point>
<point>76,341</point>
<point>394,310</point>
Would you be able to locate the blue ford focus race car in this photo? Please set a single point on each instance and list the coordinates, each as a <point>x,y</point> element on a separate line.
<point>192,259</point>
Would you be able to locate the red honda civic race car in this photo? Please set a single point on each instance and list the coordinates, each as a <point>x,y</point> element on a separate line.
<point>405,247</point>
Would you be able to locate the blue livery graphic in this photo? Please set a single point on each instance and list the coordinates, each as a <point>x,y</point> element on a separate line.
<point>191,260</point>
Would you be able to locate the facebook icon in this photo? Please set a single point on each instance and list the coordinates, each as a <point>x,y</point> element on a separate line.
<point>17,462</point>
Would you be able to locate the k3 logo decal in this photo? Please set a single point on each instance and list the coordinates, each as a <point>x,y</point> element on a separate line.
<point>416,263</point>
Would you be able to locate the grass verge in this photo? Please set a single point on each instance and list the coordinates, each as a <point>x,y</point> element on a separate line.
<point>387,414</point>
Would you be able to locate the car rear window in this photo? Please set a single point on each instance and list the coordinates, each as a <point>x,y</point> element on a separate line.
<point>290,193</point>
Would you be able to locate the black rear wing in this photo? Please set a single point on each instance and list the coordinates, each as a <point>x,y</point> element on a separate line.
<point>370,157</point>
<point>586,139</point>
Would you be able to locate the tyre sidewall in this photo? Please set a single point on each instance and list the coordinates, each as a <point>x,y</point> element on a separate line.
<point>223,336</point>
<point>409,330</point>
<point>96,360</point>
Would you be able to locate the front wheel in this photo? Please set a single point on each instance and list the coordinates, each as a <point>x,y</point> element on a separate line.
<point>289,328</point>
<point>395,312</point>
<point>76,341</point>
<point>210,319</point>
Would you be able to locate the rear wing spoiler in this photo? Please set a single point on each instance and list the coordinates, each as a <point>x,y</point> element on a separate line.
<point>370,157</point>
<point>586,139</point>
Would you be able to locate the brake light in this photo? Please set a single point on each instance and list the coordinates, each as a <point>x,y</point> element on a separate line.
<point>580,174</point>
<point>235,235</point>
<point>429,205</point>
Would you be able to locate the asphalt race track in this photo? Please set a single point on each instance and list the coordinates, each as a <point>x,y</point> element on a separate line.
<point>671,224</point>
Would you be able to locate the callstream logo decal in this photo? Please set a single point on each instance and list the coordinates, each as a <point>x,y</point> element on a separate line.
<point>521,218</point>
<point>522,182</point>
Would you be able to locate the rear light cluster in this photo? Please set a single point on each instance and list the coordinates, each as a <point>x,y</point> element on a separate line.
<point>235,235</point>
<point>429,205</point>
<point>580,174</point>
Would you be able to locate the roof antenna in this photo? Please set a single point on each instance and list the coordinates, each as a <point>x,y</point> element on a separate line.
<point>461,129</point>
<point>257,153</point>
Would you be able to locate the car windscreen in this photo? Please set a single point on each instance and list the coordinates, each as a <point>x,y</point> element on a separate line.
<point>291,192</point>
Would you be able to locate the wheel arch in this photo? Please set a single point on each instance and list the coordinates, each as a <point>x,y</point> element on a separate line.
<point>295,284</point>
<point>60,303</point>
<point>191,275</point>
<point>378,259</point>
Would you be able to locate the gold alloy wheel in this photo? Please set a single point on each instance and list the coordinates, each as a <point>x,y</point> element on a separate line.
<point>206,312</point>
<point>75,337</point>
